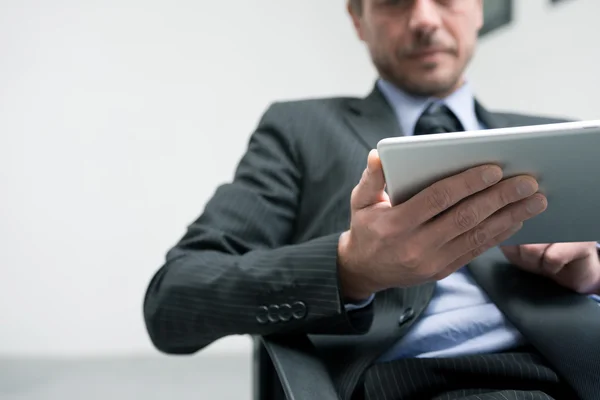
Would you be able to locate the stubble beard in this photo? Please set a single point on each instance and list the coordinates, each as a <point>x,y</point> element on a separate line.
<point>419,86</point>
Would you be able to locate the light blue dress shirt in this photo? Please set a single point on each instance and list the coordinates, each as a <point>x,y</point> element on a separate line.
<point>460,319</point>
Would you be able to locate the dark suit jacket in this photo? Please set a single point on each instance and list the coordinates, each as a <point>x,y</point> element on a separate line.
<point>261,259</point>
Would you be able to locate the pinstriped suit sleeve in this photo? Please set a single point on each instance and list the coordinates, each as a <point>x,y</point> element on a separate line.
<point>238,257</point>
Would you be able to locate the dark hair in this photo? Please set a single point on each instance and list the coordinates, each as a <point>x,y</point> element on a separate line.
<point>356,5</point>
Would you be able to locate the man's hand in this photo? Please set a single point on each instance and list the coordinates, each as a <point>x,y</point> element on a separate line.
<point>434,233</point>
<point>572,265</point>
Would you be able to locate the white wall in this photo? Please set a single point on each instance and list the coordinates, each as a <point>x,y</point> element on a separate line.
<point>546,62</point>
<point>119,117</point>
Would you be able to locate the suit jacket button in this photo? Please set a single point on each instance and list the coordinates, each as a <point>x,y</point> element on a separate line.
<point>406,316</point>
<point>299,310</point>
<point>262,316</point>
<point>285,312</point>
<point>273,313</point>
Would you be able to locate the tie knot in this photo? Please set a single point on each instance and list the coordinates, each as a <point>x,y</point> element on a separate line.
<point>437,119</point>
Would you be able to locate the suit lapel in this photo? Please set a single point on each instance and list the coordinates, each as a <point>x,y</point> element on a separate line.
<point>372,119</point>
<point>491,121</point>
<point>562,325</point>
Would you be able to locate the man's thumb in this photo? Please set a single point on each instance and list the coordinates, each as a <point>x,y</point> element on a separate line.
<point>371,188</point>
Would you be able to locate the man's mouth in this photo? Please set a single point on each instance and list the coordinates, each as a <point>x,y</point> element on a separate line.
<point>427,53</point>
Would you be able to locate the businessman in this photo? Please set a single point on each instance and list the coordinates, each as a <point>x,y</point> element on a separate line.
<point>304,240</point>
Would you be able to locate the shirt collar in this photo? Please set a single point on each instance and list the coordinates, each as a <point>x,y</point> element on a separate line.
<point>409,108</point>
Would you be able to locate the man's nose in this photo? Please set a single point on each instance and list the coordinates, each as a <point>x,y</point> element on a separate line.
<point>425,16</point>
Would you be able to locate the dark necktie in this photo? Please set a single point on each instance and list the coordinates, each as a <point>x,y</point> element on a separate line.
<point>437,119</point>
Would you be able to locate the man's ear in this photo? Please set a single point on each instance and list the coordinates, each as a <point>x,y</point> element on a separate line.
<point>356,19</point>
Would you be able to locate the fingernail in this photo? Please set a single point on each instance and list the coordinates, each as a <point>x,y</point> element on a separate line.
<point>535,205</point>
<point>368,158</point>
<point>525,188</point>
<point>491,175</point>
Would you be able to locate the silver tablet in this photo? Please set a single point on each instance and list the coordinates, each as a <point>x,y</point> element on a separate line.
<point>565,158</point>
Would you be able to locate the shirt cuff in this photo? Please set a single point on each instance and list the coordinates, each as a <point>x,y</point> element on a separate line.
<point>360,304</point>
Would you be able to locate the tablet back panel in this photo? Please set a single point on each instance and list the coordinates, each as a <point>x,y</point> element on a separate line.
<point>565,160</point>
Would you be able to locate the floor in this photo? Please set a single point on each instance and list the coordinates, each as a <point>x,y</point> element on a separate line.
<point>153,378</point>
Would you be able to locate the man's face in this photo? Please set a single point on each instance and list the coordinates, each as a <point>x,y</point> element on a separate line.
<point>422,46</point>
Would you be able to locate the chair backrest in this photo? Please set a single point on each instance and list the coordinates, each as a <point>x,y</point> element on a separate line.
<point>289,368</point>
<point>265,381</point>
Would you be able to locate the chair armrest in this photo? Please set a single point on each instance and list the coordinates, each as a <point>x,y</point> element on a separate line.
<point>302,374</point>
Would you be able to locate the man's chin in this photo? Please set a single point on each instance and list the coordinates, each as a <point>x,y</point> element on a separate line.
<point>438,79</point>
<point>430,86</point>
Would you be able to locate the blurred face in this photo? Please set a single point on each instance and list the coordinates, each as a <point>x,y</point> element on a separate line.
<point>422,46</point>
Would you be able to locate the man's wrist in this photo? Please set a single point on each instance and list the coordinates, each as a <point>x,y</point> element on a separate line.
<point>595,291</point>
<point>351,282</point>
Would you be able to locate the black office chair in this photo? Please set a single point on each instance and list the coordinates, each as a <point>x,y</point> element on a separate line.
<point>288,368</point>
